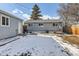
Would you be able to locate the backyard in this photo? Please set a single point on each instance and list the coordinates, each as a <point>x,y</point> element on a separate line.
<point>38,45</point>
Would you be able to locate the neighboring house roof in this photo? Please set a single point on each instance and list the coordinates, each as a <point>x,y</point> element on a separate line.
<point>9,14</point>
<point>43,21</point>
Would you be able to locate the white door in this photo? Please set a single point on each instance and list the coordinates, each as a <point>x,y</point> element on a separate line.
<point>19,28</point>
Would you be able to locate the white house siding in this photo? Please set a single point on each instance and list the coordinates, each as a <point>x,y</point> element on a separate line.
<point>34,27</point>
<point>9,31</point>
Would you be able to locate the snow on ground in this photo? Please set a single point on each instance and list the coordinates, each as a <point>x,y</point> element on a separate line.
<point>33,45</point>
<point>73,49</point>
<point>5,41</point>
<point>68,48</point>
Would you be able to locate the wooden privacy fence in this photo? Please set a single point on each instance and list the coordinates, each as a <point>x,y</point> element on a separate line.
<point>75,29</point>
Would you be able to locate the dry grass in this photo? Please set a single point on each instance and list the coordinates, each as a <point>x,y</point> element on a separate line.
<point>73,39</point>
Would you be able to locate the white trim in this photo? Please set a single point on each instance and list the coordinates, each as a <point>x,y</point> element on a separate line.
<point>8,20</point>
<point>19,28</point>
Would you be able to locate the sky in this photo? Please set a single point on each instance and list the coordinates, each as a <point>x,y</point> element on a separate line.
<point>23,10</point>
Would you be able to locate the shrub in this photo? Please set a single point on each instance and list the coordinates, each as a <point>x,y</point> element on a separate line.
<point>67,29</point>
<point>24,29</point>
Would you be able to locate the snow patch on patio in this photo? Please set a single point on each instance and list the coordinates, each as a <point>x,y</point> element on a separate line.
<point>34,45</point>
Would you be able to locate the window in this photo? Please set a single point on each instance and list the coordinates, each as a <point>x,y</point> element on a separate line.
<point>54,24</point>
<point>29,25</point>
<point>5,21</point>
<point>40,24</point>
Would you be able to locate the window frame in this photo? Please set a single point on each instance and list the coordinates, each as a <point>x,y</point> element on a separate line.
<point>5,21</point>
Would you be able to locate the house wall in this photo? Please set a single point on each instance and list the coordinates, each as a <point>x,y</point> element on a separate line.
<point>34,27</point>
<point>12,30</point>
